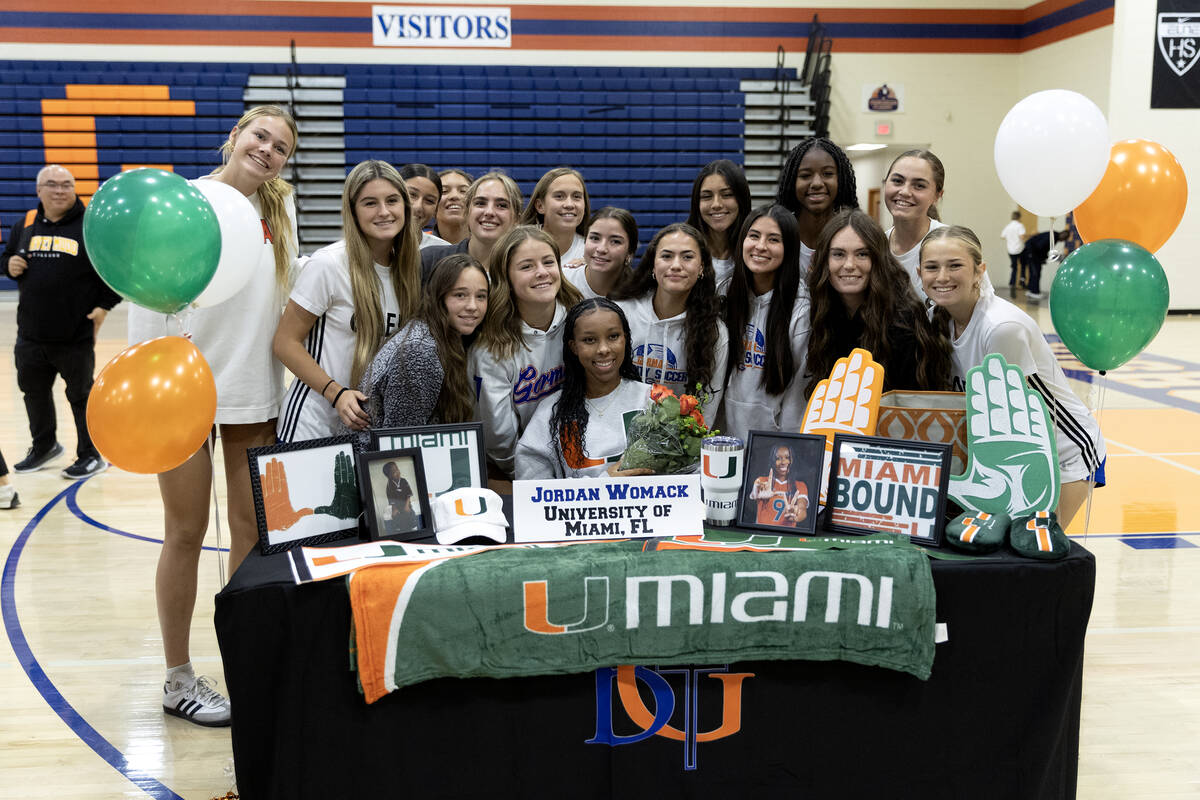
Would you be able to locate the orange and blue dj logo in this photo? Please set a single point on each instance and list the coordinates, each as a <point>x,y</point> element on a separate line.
<point>666,685</point>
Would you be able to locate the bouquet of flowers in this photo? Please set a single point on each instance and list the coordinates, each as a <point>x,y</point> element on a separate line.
<point>665,438</point>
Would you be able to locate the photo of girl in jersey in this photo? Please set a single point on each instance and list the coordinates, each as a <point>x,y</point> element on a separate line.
<point>782,472</point>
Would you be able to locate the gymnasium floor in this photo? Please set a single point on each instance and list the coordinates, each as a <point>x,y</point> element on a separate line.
<point>80,678</point>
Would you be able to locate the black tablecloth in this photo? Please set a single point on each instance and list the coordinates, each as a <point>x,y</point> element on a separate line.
<point>999,718</point>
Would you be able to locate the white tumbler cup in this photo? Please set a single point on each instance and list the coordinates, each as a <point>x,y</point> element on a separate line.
<point>721,463</point>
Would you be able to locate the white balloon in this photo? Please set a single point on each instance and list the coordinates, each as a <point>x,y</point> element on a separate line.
<point>1052,150</point>
<point>241,241</point>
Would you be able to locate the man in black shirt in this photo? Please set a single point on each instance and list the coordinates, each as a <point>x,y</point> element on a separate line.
<point>1037,250</point>
<point>61,307</point>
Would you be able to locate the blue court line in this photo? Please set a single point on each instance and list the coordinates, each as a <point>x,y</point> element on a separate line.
<point>73,506</point>
<point>1143,365</point>
<point>37,676</point>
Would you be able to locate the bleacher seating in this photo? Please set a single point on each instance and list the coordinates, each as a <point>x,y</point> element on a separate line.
<point>638,134</point>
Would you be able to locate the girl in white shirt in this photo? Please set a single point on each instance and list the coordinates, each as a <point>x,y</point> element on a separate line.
<point>583,432</point>
<point>980,323</point>
<point>911,192</point>
<point>816,181</point>
<point>349,297</point>
<point>517,361</point>
<point>720,203</point>
<point>612,239</point>
<point>767,303</point>
<point>235,338</point>
<point>561,207</point>
<point>673,309</point>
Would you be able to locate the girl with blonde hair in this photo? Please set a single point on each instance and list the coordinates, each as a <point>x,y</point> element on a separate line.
<point>235,338</point>
<point>349,298</point>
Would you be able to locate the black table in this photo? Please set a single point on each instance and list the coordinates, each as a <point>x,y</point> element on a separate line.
<point>999,717</point>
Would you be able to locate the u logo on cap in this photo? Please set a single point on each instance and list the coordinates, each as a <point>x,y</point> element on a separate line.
<point>462,511</point>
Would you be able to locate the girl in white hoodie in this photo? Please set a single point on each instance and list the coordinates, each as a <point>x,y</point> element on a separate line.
<point>582,433</point>
<point>671,301</point>
<point>767,303</point>
<point>517,360</point>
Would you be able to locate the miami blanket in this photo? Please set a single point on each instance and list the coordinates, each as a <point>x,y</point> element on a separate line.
<point>522,611</point>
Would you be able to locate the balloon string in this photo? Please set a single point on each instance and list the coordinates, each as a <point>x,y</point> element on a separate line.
<point>212,463</point>
<point>1103,386</point>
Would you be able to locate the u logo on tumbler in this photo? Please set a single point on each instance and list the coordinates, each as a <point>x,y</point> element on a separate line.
<point>712,465</point>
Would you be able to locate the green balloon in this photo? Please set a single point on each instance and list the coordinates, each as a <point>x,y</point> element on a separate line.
<point>1108,301</point>
<point>153,237</point>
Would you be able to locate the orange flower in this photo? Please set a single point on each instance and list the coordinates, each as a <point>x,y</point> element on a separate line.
<point>660,392</point>
<point>686,404</point>
<point>696,415</point>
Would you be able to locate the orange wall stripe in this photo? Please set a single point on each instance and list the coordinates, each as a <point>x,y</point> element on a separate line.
<point>1091,22</point>
<point>68,124</point>
<point>166,167</point>
<point>87,91</point>
<point>158,108</point>
<point>69,139</point>
<point>70,155</point>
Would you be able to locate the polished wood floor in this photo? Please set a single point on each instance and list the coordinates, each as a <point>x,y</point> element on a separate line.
<point>80,713</point>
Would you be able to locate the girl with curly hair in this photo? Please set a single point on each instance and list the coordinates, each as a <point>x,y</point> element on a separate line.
<point>817,180</point>
<point>674,314</point>
<point>583,433</point>
<point>862,297</point>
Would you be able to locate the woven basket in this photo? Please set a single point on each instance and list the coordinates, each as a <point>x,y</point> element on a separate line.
<point>939,417</point>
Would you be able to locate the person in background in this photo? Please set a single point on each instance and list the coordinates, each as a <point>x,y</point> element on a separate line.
<point>766,311</point>
<point>561,207</point>
<point>720,203</point>
<point>612,239</point>
<point>1036,253</point>
<point>674,314</point>
<point>61,305</point>
<point>1013,235</point>
<point>516,363</point>
<point>493,202</point>
<point>419,376</point>
<point>816,181</point>
<point>979,323</point>
<point>584,432</point>
<point>349,298</point>
<point>424,194</point>
<point>861,297</point>
<point>235,338</point>
<point>8,493</point>
<point>451,220</point>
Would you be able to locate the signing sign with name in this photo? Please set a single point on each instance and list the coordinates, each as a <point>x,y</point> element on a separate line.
<point>889,485</point>
<point>607,508</point>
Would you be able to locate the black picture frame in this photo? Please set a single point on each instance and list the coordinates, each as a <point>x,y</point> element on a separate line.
<point>385,519</point>
<point>842,511</point>
<point>761,508</point>
<point>453,455</point>
<point>305,493</point>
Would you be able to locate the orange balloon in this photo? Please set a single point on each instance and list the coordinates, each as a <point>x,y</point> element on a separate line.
<point>1140,199</point>
<point>153,405</point>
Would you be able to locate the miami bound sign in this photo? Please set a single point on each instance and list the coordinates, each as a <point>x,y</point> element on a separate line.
<point>441,26</point>
<point>607,508</point>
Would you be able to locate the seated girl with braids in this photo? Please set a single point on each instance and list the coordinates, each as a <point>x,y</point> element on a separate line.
<point>862,297</point>
<point>419,376</point>
<point>582,433</point>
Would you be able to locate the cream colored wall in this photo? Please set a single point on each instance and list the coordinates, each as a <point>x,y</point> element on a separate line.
<point>1130,116</point>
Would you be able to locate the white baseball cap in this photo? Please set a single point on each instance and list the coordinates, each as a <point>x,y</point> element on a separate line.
<point>468,512</point>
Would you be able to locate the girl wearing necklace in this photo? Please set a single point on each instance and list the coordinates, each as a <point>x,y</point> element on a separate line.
<point>583,432</point>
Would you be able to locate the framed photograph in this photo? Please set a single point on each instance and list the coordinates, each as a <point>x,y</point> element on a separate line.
<point>890,485</point>
<point>452,454</point>
<point>304,493</point>
<point>394,494</point>
<point>781,481</point>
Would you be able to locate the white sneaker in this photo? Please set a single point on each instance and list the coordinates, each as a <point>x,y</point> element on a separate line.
<point>196,701</point>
